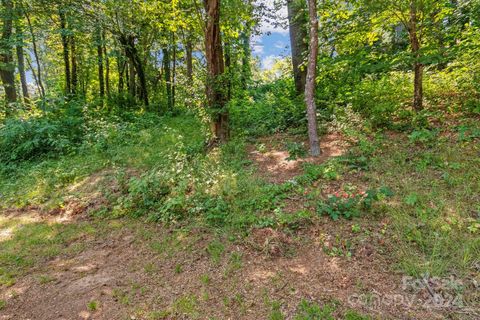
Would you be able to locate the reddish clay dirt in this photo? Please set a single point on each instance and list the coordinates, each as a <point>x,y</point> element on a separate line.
<point>129,280</point>
<point>273,165</point>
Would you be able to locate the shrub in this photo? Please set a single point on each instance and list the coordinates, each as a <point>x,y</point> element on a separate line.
<point>349,204</point>
<point>26,139</point>
<point>270,108</point>
<point>296,150</point>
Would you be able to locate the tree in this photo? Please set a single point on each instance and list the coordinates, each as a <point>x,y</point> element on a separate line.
<point>298,34</point>
<point>168,77</point>
<point>189,59</point>
<point>7,66</point>
<point>66,51</point>
<point>101,81</point>
<point>310,81</point>
<point>38,73</point>
<point>412,27</point>
<point>216,95</point>
<point>21,60</point>
<point>421,20</point>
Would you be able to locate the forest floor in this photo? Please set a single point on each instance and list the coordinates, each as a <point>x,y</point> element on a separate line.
<point>65,263</point>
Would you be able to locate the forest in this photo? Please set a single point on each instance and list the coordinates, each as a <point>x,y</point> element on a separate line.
<point>239,159</point>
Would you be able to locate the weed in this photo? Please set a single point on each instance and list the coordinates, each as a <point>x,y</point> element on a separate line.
<point>312,311</point>
<point>234,263</point>
<point>178,269</point>
<point>92,305</point>
<point>293,221</point>
<point>215,249</point>
<point>43,279</point>
<point>349,204</point>
<point>356,228</point>
<point>422,136</point>
<point>341,248</point>
<point>150,268</point>
<point>276,312</point>
<point>159,315</point>
<point>121,296</point>
<point>186,305</point>
<point>331,170</point>
<point>353,315</point>
<point>205,279</point>
<point>296,150</point>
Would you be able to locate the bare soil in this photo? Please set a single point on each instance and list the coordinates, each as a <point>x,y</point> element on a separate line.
<point>273,163</point>
<point>129,280</point>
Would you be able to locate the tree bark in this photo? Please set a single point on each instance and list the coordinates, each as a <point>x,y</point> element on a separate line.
<point>168,77</point>
<point>7,66</point>
<point>37,59</point>
<point>189,58</point>
<point>121,66</point>
<point>132,81</point>
<point>246,70</point>
<point>417,65</point>
<point>216,97</point>
<point>128,42</point>
<point>228,69</point>
<point>21,63</point>
<point>107,64</point>
<point>298,35</point>
<point>310,81</point>
<point>174,69</point>
<point>66,51</point>
<point>101,82</point>
<point>74,64</point>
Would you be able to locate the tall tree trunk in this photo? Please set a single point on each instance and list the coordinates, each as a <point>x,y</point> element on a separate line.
<point>310,81</point>
<point>21,63</point>
<point>127,75</point>
<point>7,66</point>
<point>136,66</point>
<point>228,69</point>
<point>101,82</point>
<point>132,81</point>
<point>168,77</point>
<point>216,97</point>
<point>107,63</point>
<point>417,65</point>
<point>298,35</point>
<point>174,69</point>
<point>246,71</point>
<point>66,54</point>
<point>121,65</point>
<point>74,64</point>
<point>34,73</point>
<point>189,58</point>
<point>37,59</point>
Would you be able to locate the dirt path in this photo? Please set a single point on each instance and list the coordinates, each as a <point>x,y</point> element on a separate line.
<point>151,273</point>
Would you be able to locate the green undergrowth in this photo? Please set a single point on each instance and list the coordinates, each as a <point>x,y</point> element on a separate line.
<point>435,213</point>
<point>137,145</point>
<point>424,183</point>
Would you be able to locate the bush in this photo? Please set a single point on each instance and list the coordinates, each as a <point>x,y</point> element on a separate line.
<point>271,108</point>
<point>350,204</point>
<point>37,137</point>
<point>68,128</point>
<point>383,100</point>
